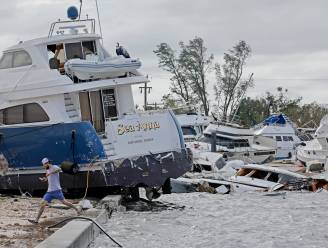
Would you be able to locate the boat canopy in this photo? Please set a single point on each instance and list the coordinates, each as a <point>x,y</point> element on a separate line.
<point>276,119</point>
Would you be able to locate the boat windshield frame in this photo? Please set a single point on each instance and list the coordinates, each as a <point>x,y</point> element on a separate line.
<point>78,24</point>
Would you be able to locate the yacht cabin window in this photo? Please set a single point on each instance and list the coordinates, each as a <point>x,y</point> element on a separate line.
<point>21,58</point>
<point>15,59</point>
<point>80,50</point>
<point>26,113</point>
<point>56,56</point>
<point>6,61</point>
<point>73,51</point>
<point>278,138</point>
<point>59,53</point>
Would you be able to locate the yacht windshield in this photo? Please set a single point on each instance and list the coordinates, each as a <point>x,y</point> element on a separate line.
<point>226,142</point>
<point>188,131</point>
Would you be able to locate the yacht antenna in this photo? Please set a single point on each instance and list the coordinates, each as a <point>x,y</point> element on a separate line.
<point>80,9</point>
<point>99,22</point>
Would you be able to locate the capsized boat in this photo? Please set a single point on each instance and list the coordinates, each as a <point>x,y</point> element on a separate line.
<point>93,68</point>
<point>91,127</point>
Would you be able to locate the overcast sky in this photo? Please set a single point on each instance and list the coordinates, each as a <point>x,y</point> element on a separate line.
<point>289,38</point>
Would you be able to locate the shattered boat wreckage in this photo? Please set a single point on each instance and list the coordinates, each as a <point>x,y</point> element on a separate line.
<point>90,126</point>
<point>252,177</point>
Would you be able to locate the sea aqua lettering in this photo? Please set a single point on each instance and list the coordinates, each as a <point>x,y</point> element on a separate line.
<point>146,126</point>
<point>121,129</point>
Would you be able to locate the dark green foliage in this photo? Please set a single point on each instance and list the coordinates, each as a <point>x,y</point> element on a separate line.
<point>253,111</point>
<point>189,71</point>
<point>230,88</point>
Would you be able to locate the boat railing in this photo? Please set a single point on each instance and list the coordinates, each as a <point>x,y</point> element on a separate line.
<point>87,26</point>
<point>140,113</point>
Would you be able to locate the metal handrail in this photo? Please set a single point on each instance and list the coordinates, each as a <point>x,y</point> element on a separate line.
<point>52,26</point>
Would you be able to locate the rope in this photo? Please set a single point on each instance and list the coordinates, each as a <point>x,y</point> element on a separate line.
<point>88,172</point>
<point>26,194</point>
<point>89,219</point>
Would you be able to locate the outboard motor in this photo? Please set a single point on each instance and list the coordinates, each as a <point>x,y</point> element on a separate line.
<point>122,51</point>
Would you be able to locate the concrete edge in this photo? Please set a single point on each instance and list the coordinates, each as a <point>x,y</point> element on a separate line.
<point>80,233</point>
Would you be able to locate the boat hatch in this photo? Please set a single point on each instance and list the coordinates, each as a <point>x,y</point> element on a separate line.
<point>97,106</point>
<point>59,53</point>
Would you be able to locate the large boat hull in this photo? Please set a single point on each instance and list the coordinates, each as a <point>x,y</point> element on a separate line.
<point>24,147</point>
<point>146,171</point>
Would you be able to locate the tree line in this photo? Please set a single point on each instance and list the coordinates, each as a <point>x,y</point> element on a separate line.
<point>254,110</point>
<point>190,68</point>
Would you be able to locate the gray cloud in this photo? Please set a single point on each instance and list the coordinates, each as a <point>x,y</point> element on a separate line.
<point>288,37</point>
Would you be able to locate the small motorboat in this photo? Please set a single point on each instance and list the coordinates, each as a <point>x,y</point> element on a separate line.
<point>113,67</point>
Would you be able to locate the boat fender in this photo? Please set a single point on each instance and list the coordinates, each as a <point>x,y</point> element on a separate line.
<point>69,167</point>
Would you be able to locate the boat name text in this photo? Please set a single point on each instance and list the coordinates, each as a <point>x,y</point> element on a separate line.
<point>147,126</point>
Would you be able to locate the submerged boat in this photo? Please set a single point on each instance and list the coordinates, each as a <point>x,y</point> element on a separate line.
<point>92,125</point>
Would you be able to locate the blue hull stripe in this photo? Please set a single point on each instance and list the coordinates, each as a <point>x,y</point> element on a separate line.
<point>24,147</point>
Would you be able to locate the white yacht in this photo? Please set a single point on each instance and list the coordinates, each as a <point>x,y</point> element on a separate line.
<point>281,129</point>
<point>316,149</point>
<point>90,122</point>
<point>235,143</point>
<point>193,125</point>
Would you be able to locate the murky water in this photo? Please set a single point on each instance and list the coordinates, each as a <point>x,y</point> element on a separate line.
<point>240,220</point>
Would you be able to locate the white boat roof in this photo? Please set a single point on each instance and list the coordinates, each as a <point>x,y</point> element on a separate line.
<point>228,131</point>
<point>193,119</point>
<point>52,40</point>
<point>275,130</point>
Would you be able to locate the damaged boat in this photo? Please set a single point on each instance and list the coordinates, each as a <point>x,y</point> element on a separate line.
<point>253,177</point>
<point>316,149</point>
<point>234,142</point>
<point>283,131</point>
<point>193,125</point>
<point>90,126</point>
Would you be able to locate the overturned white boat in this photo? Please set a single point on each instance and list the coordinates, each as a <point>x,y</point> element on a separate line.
<point>93,68</point>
